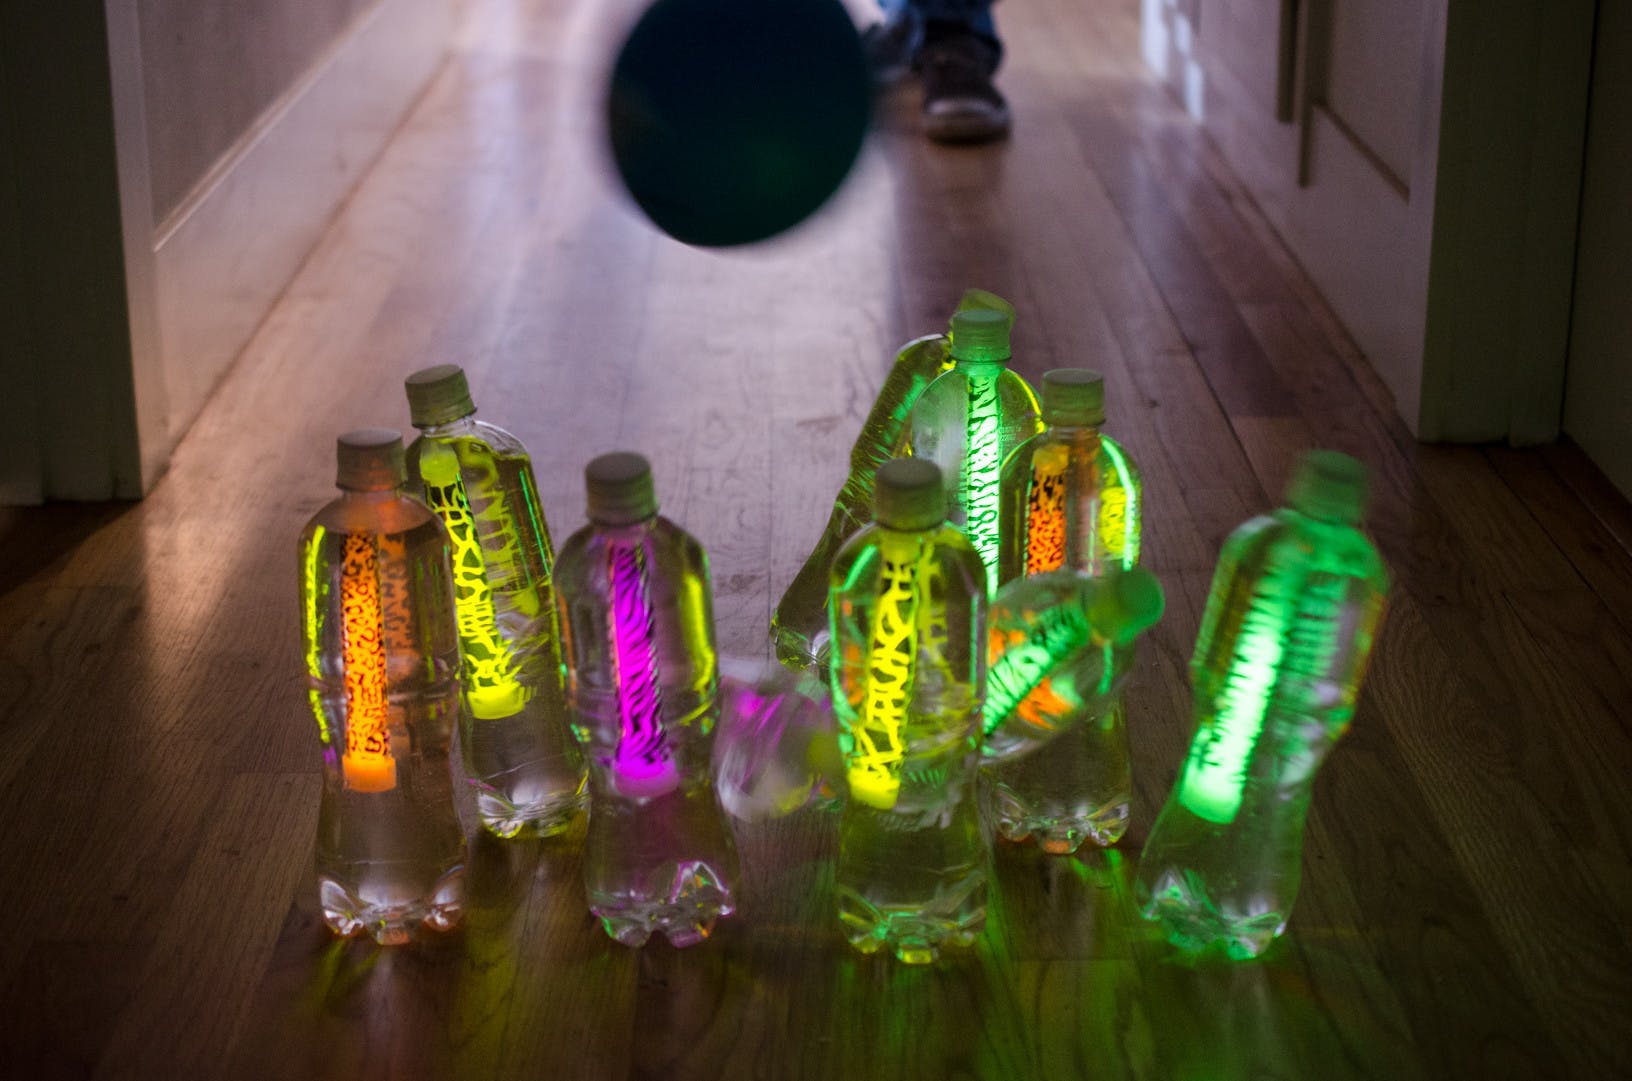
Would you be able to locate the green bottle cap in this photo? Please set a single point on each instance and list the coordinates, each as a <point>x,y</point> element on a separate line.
<point>438,395</point>
<point>370,460</point>
<point>1328,486</point>
<point>1074,397</point>
<point>908,495</point>
<point>980,334</point>
<point>1126,603</point>
<point>619,487</point>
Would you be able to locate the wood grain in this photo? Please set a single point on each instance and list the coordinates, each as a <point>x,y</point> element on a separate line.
<point>1469,857</point>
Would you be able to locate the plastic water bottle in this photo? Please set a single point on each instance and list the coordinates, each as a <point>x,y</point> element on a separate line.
<point>516,741</point>
<point>799,622</point>
<point>968,421</point>
<point>777,744</point>
<point>1056,750</point>
<point>1289,624</point>
<point>636,612</point>
<point>382,664</point>
<point>908,609</point>
<point>1071,498</point>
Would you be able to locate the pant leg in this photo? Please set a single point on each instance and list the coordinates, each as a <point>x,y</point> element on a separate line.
<point>940,17</point>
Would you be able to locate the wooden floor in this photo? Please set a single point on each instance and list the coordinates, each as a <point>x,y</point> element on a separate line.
<point>1465,902</point>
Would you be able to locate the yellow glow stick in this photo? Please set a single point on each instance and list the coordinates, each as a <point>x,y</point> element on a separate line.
<point>874,769</point>
<point>489,663</point>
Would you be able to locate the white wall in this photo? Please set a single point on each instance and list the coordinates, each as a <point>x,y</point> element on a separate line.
<point>165,166</point>
<point>1598,389</point>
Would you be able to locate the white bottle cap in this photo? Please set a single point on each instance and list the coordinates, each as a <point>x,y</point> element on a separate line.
<point>908,494</point>
<point>1073,397</point>
<point>619,489</point>
<point>438,395</point>
<point>370,460</point>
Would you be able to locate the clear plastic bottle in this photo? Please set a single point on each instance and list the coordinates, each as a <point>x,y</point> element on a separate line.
<point>516,740</point>
<point>1289,624</point>
<point>1055,757</point>
<point>382,663</point>
<point>968,421</point>
<point>1071,498</point>
<point>799,622</point>
<point>908,612</point>
<point>636,616</point>
<point>776,744</point>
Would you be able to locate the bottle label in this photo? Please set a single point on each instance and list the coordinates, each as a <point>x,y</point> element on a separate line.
<point>1045,511</point>
<point>642,764</point>
<point>982,472</point>
<point>874,770</point>
<point>1020,663</point>
<point>367,764</point>
<point>491,683</point>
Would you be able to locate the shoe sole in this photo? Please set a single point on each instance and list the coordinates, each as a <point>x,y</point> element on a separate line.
<point>965,128</point>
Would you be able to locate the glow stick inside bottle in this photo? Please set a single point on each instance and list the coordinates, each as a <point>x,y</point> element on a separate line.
<point>1104,615</point>
<point>980,339</point>
<point>621,494</point>
<point>491,683</point>
<point>909,507</point>
<point>1273,635</point>
<point>366,762</point>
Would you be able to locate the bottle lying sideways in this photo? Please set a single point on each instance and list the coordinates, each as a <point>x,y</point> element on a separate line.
<point>1061,646</point>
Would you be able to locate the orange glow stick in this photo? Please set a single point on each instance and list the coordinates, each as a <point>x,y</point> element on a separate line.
<point>367,763</point>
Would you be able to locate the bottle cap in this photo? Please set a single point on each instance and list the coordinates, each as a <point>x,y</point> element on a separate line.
<point>980,299</point>
<point>619,487</point>
<point>438,395</point>
<point>908,494</point>
<point>370,460</point>
<point>1126,603</point>
<point>1328,486</point>
<point>980,334</point>
<point>1073,397</point>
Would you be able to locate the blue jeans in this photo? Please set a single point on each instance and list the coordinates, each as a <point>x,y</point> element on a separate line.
<point>974,15</point>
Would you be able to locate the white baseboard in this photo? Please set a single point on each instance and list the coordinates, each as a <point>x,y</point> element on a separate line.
<point>223,258</point>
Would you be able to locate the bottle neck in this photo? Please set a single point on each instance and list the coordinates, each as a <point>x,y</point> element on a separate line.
<point>458,426</point>
<point>1073,432</point>
<point>1313,529</point>
<point>981,369</point>
<point>627,532</point>
<point>371,495</point>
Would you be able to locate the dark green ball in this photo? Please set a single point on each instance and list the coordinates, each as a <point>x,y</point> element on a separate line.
<point>732,120</point>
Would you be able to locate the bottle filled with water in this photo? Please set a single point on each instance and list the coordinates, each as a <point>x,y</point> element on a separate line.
<point>1070,495</point>
<point>636,615</point>
<point>381,652</point>
<point>799,623</point>
<point>1055,757</point>
<point>908,609</point>
<point>515,740</point>
<point>968,421</point>
<point>1071,498</point>
<point>1289,624</point>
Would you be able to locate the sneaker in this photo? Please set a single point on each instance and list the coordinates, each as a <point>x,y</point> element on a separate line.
<point>889,46</point>
<point>960,103</point>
